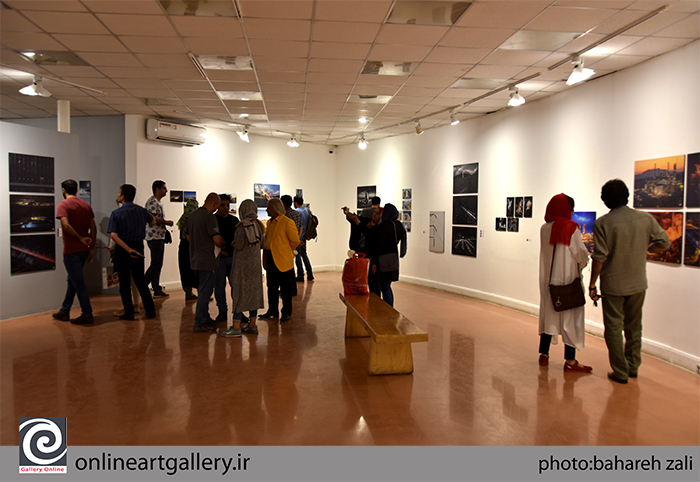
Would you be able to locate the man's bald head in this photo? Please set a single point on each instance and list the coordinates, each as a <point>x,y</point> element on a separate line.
<point>212,202</point>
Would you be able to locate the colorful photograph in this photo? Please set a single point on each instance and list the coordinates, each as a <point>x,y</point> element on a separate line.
<point>406,193</point>
<point>264,192</point>
<point>658,183</point>
<point>365,195</point>
<point>177,196</point>
<point>672,223</point>
<point>510,207</point>
<point>501,224</point>
<point>407,226</point>
<point>527,210</point>
<point>406,204</point>
<point>465,210</point>
<point>190,195</point>
<point>465,178</point>
<point>692,186</point>
<point>406,216</point>
<point>585,220</point>
<point>36,252</point>
<point>692,239</point>
<point>31,214</point>
<point>464,241</point>
<point>31,173</point>
<point>513,225</point>
<point>519,207</point>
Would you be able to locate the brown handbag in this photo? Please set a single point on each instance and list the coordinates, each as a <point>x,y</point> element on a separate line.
<point>566,297</point>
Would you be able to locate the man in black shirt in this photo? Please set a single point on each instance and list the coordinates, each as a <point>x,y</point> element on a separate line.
<point>227,229</point>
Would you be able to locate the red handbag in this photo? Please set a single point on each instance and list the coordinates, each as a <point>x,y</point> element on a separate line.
<point>355,274</point>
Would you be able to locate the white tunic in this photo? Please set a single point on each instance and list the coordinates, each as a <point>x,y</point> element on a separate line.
<point>570,323</point>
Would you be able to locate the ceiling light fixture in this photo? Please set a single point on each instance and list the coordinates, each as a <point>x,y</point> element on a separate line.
<point>515,98</point>
<point>292,142</point>
<point>362,120</point>
<point>453,118</point>
<point>36,88</point>
<point>363,142</point>
<point>579,74</point>
<point>243,135</point>
<point>419,129</point>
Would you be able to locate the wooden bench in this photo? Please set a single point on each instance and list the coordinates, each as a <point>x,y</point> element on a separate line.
<point>391,333</point>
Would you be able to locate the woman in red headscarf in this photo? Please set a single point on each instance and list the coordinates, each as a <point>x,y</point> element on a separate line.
<point>562,256</point>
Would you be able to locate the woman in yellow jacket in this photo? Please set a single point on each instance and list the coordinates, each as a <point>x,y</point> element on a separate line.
<point>281,240</point>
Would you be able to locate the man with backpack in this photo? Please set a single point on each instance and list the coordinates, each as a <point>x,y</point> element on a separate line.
<point>308,231</point>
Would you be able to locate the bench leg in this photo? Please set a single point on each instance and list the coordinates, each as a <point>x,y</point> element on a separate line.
<point>353,328</point>
<point>390,358</point>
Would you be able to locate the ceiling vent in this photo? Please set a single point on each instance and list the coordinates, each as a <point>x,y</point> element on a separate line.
<point>158,130</point>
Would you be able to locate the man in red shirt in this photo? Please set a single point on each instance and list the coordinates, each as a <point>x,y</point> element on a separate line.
<point>79,231</point>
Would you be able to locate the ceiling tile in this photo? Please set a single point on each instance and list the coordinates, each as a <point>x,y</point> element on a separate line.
<point>228,86</point>
<point>454,55</point>
<point>154,45</point>
<point>30,41</point>
<point>276,48</point>
<point>58,22</point>
<point>73,71</point>
<point>411,34</point>
<point>611,46</point>
<point>166,60</point>
<point>110,59</point>
<point>90,43</point>
<point>329,88</point>
<point>209,26</point>
<point>291,64</point>
<point>145,7</point>
<point>514,57</point>
<point>565,19</point>
<point>280,87</point>
<point>686,28</point>
<point>356,11</point>
<point>154,25</point>
<point>12,21</point>
<point>337,66</point>
<point>476,38</point>
<point>284,9</point>
<point>363,89</point>
<point>389,80</point>
<point>652,46</point>
<point>495,15</point>
<point>440,70</point>
<point>350,32</point>
<point>618,62</point>
<point>139,83</point>
<point>441,82</point>
<point>196,94</point>
<point>273,76</point>
<point>48,5</point>
<point>190,73</point>
<point>331,78</point>
<point>400,53</point>
<point>276,29</point>
<point>494,72</point>
<point>232,75</point>
<point>188,85</point>
<point>328,50</point>
<point>214,46</point>
<point>653,25</point>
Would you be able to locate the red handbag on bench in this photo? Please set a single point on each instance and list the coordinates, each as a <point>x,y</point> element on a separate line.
<point>355,275</point>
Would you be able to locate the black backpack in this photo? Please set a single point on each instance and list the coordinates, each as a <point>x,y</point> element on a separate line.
<point>311,232</point>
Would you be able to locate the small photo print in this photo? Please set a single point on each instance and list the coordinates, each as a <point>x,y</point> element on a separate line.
<point>513,225</point>
<point>300,192</point>
<point>190,195</point>
<point>465,210</point>
<point>406,216</point>
<point>464,241</point>
<point>501,224</point>
<point>692,240</point>
<point>465,178</point>
<point>84,189</point>
<point>585,220</point>
<point>365,195</point>
<point>407,194</point>
<point>519,207</point>
<point>407,226</point>
<point>672,224</point>
<point>406,205</point>
<point>527,209</point>
<point>658,183</point>
<point>177,196</point>
<point>510,207</point>
<point>692,186</point>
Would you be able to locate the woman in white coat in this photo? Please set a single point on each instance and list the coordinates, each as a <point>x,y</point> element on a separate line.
<point>560,238</point>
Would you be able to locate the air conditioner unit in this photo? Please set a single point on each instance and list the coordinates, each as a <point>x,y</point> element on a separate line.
<point>158,130</point>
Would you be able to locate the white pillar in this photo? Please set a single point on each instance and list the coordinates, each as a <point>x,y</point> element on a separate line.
<point>64,116</point>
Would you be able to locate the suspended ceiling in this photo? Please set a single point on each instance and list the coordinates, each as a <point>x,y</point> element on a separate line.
<point>313,68</point>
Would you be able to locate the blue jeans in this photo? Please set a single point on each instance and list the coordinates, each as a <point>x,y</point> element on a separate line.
<point>239,315</point>
<point>74,263</point>
<point>205,287</point>
<point>303,257</point>
<point>223,272</point>
<point>387,292</point>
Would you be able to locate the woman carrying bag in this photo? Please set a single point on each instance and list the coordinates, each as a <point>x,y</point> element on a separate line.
<point>385,260</point>
<point>562,256</point>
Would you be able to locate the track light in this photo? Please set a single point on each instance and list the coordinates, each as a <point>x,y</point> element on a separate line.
<point>362,120</point>
<point>515,98</point>
<point>243,135</point>
<point>36,88</point>
<point>453,119</point>
<point>579,74</point>
<point>363,142</point>
<point>292,142</point>
<point>419,129</point>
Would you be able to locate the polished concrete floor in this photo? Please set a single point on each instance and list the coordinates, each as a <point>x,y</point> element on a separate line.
<point>476,382</point>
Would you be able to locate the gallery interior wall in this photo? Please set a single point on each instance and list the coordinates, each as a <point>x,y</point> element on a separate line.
<point>572,142</point>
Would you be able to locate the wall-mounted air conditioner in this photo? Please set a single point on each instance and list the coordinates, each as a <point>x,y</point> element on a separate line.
<point>158,130</point>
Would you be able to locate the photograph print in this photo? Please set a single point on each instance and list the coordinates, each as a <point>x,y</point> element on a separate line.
<point>501,224</point>
<point>36,252</point>
<point>437,232</point>
<point>177,196</point>
<point>513,225</point>
<point>31,173</point>
<point>692,239</point>
<point>406,204</point>
<point>190,195</point>
<point>510,207</point>
<point>465,178</point>
<point>465,210</point>
<point>658,183</point>
<point>527,210</point>
<point>672,223</point>
<point>692,186</point>
<point>406,193</point>
<point>585,220</point>
<point>519,207</point>
<point>31,214</point>
<point>464,241</point>
<point>365,195</point>
<point>264,192</point>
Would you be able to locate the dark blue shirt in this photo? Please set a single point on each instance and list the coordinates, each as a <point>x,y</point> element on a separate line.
<point>129,222</point>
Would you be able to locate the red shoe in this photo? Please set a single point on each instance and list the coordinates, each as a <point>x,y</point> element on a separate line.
<point>544,360</point>
<point>576,367</point>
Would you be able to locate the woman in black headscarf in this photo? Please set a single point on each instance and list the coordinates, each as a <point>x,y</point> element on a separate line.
<point>385,258</point>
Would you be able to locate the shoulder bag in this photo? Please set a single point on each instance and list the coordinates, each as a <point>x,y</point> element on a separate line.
<point>390,261</point>
<point>569,296</point>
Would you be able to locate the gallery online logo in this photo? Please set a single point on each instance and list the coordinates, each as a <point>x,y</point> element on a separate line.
<point>42,445</point>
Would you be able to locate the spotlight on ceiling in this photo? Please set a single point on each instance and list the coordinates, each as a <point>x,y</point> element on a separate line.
<point>243,135</point>
<point>453,118</point>
<point>362,120</point>
<point>579,74</point>
<point>363,142</point>
<point>515,98</point>
<point>292,142</point>
<point>36,88</point>
<point>419,129</point>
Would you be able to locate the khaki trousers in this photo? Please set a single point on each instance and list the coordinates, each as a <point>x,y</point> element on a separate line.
<point>623,314</point>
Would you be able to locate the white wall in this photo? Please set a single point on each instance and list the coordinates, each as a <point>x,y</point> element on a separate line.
<point>572,142</point>
<point>41,290</point>
<point>224,163</point>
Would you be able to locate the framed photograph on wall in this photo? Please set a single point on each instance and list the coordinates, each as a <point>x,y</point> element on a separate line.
<point>365,195</point>
<point>672,223</point>
<point>465,210</point>
<point>264,192</point>
<point>465,178</point>
<point>691,255</point>
<point>31,214</point>
<point>527,209</point>
<point>30,173</point>
<point>437,232</point>
<point>692,185</point>
<point>190,195</point>
<point>407,193</point>
<point>177,196</point>
<point>658,183</point>
<point>513,225</point>
<point>34,252</point>
<point>585,220</point>
<point>510,207</point>
<point>501,224</point>
<point>519,207</point>
<point>464,241</point>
